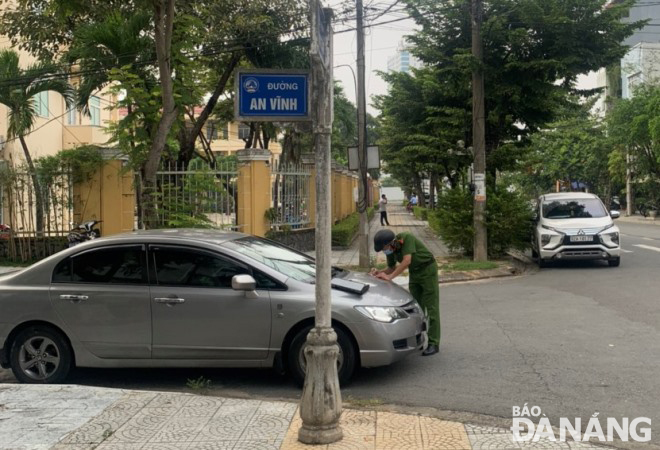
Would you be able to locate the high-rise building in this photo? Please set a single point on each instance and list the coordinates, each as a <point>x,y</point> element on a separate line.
<point>403,60</point>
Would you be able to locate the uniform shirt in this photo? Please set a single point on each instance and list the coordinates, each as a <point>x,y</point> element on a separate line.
<point>421,256</point>
<point>382,205</point>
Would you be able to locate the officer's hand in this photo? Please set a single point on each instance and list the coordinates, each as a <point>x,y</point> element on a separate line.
<point>373,271</point>
<point>383,276</point>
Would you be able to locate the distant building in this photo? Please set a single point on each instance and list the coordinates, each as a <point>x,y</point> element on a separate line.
<point>640,64</point>
<point>403,60</point>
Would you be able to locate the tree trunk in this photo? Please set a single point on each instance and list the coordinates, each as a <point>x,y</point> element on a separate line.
<point>189,137</point>
<point>38,197</point>
<point>163,19</point>
<point>421,201</point>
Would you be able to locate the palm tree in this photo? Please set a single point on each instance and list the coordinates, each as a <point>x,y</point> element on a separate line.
<point>18,86</point>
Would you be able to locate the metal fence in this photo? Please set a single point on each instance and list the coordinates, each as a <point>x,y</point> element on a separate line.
<point>290,196</point>
<point>196,196</point>
<point>22,241</point>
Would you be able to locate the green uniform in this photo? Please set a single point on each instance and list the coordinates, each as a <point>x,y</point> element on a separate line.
<point>423,279</point>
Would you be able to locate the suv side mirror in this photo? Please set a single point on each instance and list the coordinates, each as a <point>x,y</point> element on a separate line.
<point>243,283</point>
<point>615,214</point>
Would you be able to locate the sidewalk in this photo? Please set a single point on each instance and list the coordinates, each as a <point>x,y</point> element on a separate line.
<point>70,417</point>
<point>400,220</point>
<point>636,218</point>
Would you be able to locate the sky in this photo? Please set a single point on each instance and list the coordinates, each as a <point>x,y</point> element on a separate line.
<point>381,42</point>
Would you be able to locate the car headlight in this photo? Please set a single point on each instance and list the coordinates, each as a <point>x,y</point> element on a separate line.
<point>545,239</point>
<point>385,314</point>
<point>614,237</point>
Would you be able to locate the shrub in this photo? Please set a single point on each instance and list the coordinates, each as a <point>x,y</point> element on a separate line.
<point>344,230</point>
<point>421,213</point>
<point>508,218</point>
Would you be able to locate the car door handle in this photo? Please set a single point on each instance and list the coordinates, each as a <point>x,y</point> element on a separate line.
<point>74,298</point>
<point>169,300</point>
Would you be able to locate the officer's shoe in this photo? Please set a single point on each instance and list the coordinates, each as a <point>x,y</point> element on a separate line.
<point>430,350</point>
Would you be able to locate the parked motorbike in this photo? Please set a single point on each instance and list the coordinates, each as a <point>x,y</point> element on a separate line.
<point>5,230</point>
<point>84,232</point>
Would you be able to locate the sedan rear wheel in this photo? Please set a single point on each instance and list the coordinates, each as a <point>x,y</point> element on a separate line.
<point>346,359</point>
<point>40,354</point>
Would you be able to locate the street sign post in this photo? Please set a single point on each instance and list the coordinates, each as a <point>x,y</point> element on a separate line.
<point>269,95</point>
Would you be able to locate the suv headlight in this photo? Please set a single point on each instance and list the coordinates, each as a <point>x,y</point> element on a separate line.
<point>610,239</point>
<point>387,314</point>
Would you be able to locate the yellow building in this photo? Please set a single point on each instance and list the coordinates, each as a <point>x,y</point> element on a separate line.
<point>226,138</point>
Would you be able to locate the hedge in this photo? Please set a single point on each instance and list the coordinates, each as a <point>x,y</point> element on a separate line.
<point>344,230</point>
<point>421,213</point>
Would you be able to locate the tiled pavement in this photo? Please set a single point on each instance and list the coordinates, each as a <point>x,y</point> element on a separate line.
<point>71,417</point>
<point>400,220</point>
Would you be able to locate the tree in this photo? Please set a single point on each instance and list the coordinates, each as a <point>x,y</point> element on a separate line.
<point>634,128</point>
<point>533,52</point>
<point>574,148</point>
<point>18,87</point>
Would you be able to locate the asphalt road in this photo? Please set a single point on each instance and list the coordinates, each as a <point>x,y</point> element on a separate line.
<point>574,339</point>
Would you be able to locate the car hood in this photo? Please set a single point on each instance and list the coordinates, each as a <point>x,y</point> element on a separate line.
<point>600,222</point>
<point>385,293</point>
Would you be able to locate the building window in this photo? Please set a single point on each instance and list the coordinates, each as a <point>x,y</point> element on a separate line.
<point>95,110</point>
<point>71,117</point>
<point>41,104</point>
<point>225,131</point>
<point>243,131</point>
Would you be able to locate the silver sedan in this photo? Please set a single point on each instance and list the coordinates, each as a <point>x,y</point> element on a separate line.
<point>191,298</point>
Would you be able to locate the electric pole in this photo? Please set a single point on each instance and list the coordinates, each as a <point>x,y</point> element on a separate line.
<point>479,136</point>
<point>320,405</point>
<point>363,204</point>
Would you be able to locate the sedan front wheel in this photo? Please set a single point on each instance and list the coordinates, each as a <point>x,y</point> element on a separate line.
<point>40,354</point>
<point>346,359</point>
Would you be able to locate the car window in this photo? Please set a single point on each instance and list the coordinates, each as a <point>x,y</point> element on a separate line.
<point>286,261</point>
<point>188,267</point>
<point>574,209</point>
<point>119,265</point>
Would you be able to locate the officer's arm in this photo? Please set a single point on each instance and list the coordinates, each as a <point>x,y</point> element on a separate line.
<point>395,272</point>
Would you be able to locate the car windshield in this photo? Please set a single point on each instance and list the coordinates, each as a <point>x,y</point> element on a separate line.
<point>286,261</point>
<point>582,208</point>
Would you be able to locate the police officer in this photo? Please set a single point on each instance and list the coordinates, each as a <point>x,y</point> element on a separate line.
<point>410,253</point>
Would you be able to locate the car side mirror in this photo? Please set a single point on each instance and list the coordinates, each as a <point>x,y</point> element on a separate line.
<point>615,214</point>
<point>244,283</point>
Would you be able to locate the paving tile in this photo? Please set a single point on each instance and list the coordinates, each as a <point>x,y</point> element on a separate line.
<point>213,445</point>
<point>169,400</point>
<point>492,441</point>
<point>358,423</point>
<point>438,433</point>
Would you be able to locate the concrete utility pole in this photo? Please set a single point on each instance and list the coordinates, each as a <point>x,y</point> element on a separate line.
<point>479,137</point>
<point>629,195</point>
<point>320,406</point>
<point>363,232</point>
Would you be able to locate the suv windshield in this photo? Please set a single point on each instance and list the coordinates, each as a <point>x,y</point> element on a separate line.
<point>582,208</point>
<point>292,264</point>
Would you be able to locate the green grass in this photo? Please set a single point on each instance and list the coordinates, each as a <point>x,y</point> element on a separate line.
<point>466,265</point>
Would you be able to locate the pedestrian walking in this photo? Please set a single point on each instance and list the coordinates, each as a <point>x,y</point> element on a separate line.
<point>382,207</point>
<point>405,251</point>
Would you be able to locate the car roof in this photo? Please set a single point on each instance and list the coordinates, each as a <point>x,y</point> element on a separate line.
<point>567,195</point>
<point>211,236</point>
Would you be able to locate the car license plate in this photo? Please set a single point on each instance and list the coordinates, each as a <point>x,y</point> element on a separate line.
<point>581,238</point>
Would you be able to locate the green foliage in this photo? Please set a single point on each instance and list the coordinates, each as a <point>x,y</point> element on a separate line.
<point>344,231</point>
<point>634,127</point>
<point>464,265</point>
<point>198,384</point>
<point>421,213</point>
<point>508,219</point>
<point>573,148</point>
<point>186,201</point>
<point>81,162</point>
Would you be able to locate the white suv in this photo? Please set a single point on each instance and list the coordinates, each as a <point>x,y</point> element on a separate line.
<point>574,225</point>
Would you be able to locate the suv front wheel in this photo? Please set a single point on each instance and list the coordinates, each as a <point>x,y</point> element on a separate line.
<point>614,262</point>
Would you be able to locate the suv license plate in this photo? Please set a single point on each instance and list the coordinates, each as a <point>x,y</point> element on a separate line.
<point>581,238</point>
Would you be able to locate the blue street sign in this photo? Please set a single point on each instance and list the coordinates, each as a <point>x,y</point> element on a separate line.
<point>269,95</point>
